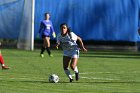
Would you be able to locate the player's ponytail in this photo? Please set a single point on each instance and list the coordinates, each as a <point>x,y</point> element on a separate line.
<point>69,32</point>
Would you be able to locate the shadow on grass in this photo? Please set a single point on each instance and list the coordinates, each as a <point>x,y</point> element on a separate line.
<point>113,53</point>
<point>111,56</point>
<point>92,82</point>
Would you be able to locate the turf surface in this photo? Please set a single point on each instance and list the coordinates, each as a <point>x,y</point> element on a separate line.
<point>100,72</point>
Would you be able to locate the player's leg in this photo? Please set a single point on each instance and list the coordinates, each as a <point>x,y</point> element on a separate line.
<point>43,47</point>
<point>74,67</point>
<point>66,61</point>
<point>74,62</point>
<point>2,63</point>
<point>47,40</point>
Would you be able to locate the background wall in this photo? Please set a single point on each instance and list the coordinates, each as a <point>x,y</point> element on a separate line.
<point>107,20</point>
<point>16,22</point>
<point>11,12</point>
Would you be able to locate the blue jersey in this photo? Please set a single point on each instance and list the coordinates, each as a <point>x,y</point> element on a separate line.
<point>46,28</point>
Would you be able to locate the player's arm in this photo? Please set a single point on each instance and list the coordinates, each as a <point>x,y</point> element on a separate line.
<point>57,42</point>
<point>53,32</point>
<point>41,27</point>
<point>81,44</point>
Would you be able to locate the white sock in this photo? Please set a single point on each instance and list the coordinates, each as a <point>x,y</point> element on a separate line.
<point>76,69</point>
<point>2,65</point>
<point>67,72</point>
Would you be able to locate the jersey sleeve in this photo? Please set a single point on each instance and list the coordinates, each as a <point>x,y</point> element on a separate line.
<point>41,26</point>
<point>52,29</point>
<point>73,36</point>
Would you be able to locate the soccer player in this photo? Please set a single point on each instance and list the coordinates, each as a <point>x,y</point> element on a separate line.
<point>67,40</point>
<point>46,29</point>
<point>2,61</point>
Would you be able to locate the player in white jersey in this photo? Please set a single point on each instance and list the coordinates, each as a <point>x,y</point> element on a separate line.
<point>67,40</point>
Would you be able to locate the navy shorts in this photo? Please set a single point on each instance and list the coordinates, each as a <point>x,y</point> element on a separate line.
<point>43,36</point>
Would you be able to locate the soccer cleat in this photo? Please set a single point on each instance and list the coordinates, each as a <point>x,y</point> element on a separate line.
<point>51,55</point>
<point>71,80</point>
<point>76,76</point>
<point>41,55</point>
<point>5,67</point>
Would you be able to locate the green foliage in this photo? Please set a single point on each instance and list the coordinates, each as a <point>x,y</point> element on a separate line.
<point>100,72</point>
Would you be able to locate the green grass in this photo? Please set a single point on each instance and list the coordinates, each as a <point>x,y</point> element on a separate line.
<point>100,72</point>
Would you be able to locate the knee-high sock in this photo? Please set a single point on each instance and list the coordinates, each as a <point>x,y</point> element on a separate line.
<point>42,50</point>
<point>1,60</point>
<point>67,72</point>
<point>48,50</point>
<point>76,69</point>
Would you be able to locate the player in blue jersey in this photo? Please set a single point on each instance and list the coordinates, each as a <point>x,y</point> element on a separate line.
<point>67,40</point>
<point>46,30</point>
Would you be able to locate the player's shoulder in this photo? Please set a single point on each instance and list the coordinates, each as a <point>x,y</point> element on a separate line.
<point>46,21</point>
<point>43,22</point>
<point>73,34</point>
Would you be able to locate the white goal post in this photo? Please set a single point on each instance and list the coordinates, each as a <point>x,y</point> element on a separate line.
<point>26,34</point>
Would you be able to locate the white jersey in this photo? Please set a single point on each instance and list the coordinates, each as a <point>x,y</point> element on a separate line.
<point>67,42</point>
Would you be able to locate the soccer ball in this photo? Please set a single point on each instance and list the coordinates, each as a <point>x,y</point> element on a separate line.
<point>53,78</point>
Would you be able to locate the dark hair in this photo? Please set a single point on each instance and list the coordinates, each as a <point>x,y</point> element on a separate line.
<point>46,14</point>
<point>69,29</point>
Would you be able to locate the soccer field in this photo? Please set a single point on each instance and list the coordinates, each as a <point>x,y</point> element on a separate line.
<point>100,72</point>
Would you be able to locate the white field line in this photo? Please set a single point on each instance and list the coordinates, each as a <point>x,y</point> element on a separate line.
<point>94,78</point>
<point>121,72</point>
<point>24,78</point>
<point>85,75</point>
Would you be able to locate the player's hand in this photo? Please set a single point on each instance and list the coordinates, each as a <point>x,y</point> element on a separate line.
<point>84,49</point>
<point>54,35</point>
<point>56,46</point>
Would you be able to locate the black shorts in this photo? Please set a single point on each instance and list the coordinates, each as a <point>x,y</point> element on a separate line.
<point>43,36</point>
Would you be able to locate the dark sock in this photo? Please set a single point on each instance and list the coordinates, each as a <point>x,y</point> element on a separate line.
<point>42,50</point>
<point>48,50</point>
